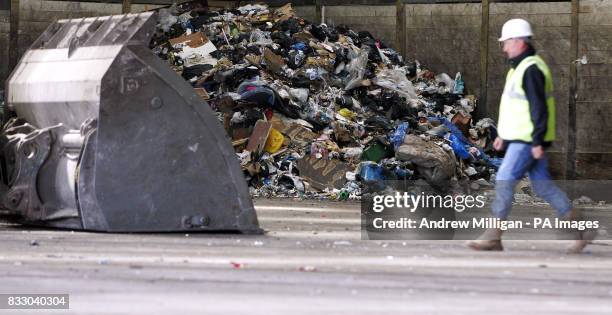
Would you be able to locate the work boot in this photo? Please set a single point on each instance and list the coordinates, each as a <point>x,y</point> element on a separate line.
<point>582,238</point>
<point>489,240</point>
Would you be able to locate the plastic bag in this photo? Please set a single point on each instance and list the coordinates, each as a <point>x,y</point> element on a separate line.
<point>253,8</point>
<point>185,17</point>
<point>346,113</point>
<point>357,69</point>
<point>259,37</point>
<point>298,46</point>
<point>166,19</point>
<point>398,136</point>
<point>299,94</point>
<point>458,142</point>
<point>315,74</point>
<point>297,58</point>
<point>274,142</point>
<point>396,80</point>
<point>352,152</point>
<point>450,83</point>
<point>458,147</point>
<point>370,172</point>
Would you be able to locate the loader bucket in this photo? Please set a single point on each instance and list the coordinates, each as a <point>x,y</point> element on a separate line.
<point>110,138</point>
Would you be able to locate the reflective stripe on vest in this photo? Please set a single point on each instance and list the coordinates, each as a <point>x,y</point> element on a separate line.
<point>514,113</point>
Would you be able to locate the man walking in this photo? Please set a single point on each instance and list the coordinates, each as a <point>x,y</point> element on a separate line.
<point>526,128</point>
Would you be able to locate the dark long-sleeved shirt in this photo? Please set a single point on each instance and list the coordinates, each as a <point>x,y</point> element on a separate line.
<point>534,86</point>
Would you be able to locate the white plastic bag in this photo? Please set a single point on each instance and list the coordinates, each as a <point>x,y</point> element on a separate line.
<point>261,38</point>
<point>357,69</point>
<point>448,81</point>
<point>396,80</point>
<point>166,19</point>
<point>299,94</point>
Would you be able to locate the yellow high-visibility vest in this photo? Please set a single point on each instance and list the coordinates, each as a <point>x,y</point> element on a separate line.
<point>514,114</point>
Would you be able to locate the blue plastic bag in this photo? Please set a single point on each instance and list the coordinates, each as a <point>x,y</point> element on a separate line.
<point>371,172</point>
<point>398,136</point>
<point>298,46</point>
<point>456,138</point>
<point>458,147</point>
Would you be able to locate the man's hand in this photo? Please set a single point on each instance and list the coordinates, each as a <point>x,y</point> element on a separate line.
<point>537,152</point>
<point>498,144</point>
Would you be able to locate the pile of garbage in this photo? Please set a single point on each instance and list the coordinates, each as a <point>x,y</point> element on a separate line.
<point>318,111</point>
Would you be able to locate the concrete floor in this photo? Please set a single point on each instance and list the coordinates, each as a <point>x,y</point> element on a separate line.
<point>311,261</point>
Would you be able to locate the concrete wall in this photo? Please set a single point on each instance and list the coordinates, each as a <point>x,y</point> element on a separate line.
<point>378,20</point>
<point>306,12</point>
<point>446,38</point>
<point>594,103</point>
<point>36,15</point>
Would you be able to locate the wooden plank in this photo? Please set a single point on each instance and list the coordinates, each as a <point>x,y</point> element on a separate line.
<point>589,165</point>
<point>14,35</point>
<point>595,165</point>
<point>400,26</point>
<point>556,164</point>
<point>482,110</point>
<point>319,11</point>
<point>126,6</point>
<point>570,162</point>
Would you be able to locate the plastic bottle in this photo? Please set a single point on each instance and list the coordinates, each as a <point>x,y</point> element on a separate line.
<point>459,84</point>
<point>343,195</point>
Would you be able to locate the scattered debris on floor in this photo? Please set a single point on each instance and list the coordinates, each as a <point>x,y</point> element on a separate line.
<point>583,200</point>
<point>237,265</point>
<point>307,269</point>
<point>316,111</point>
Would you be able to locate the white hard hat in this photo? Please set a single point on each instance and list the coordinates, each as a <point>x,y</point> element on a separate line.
<point>515,28</point>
